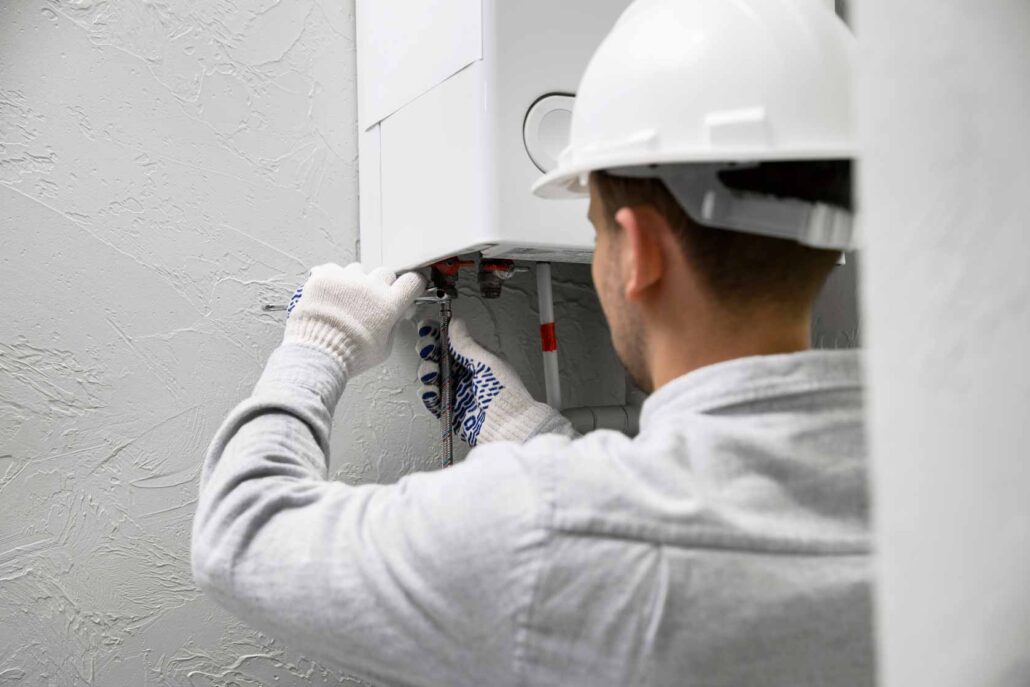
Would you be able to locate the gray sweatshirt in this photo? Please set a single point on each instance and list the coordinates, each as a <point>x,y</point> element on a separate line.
<point>726,545</point>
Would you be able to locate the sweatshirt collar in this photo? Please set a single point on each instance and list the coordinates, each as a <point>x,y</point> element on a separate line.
<point>755,378</point>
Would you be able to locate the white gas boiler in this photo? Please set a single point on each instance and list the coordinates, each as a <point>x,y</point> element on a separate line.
<point>462,105</point>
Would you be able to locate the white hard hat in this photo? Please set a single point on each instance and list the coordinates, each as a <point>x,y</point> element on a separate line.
<point>682,89</point>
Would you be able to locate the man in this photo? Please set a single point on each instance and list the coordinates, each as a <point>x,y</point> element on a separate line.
<point>728,543</point>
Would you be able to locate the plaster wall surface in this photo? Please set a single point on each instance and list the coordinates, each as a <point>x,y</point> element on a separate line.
<point>945,98</point>
<point>167,167</point>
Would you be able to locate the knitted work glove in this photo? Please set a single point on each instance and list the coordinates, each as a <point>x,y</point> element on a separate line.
<point>490,401</point>
<point>350,314</point>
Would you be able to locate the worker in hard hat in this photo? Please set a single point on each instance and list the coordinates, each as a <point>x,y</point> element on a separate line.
<point>728,543</point>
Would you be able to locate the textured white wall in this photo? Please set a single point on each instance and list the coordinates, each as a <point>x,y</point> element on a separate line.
<point>945,108</point>
<point>167,167</point>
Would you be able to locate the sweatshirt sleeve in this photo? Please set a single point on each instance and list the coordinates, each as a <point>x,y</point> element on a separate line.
<point>419,582</point>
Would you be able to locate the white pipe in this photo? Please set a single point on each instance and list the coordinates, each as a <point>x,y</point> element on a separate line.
<point>625,419</point>
<point>548,338</point>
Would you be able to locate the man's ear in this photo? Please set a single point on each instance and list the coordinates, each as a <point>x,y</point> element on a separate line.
<point>641,248</point>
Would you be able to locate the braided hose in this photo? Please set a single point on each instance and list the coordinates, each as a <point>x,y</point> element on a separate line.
<point>446,395</point>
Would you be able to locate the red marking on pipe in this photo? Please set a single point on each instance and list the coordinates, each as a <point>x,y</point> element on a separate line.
<point>548,339</point>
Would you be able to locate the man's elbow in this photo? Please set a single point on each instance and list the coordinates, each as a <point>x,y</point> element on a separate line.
<point>213,544</point>
<point>210,572</point>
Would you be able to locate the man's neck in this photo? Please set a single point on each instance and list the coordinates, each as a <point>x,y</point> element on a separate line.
<point>687,346</point>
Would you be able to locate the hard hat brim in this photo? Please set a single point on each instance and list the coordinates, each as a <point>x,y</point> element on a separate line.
<point>562,184</point>
<point>572,181</point>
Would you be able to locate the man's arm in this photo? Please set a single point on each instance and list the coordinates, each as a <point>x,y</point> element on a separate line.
<point>420,582</point>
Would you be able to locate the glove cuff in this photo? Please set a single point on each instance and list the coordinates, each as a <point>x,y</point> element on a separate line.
<point>326,336</point>
<point>512,417</point>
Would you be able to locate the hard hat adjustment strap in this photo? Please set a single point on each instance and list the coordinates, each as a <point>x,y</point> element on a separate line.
<point>708,201</point>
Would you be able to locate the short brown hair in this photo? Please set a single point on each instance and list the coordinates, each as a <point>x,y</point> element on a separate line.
<point>744,269</point>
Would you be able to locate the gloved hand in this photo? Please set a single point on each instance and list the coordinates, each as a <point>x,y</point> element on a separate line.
<point>490,401</point>
<point>351,314</point>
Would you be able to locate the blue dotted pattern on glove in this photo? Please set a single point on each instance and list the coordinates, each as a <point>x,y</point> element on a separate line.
<point>293,301</point>
<point>431,400</point>
<point>475,387</point>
